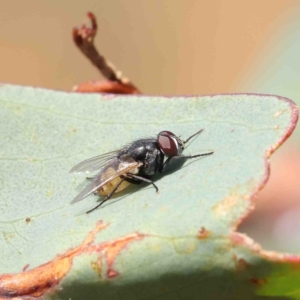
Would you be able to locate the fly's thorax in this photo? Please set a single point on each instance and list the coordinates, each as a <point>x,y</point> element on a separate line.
<point>127,162</point>
<point>139,149</point>
<point>135,170</point>
<point>146,153</point>
<point>152,163</point>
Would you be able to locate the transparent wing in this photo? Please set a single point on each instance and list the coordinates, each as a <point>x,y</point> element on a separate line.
<point>94,164</point>
<point>112,170</point>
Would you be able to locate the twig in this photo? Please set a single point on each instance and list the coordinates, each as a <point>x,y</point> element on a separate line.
<point>84,39</point>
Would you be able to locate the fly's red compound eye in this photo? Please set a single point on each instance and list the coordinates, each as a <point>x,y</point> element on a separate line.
<point>167,143</point>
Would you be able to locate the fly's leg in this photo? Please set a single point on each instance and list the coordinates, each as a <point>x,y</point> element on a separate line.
<point>140,178</point>
<point>108,196</point>
<point>133,181</point>
<point>193,135</point>
<point>182,157</point>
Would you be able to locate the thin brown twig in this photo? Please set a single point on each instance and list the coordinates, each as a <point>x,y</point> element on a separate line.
<point>84,39</point>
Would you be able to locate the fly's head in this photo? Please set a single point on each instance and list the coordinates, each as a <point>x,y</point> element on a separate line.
<point>170,144</point>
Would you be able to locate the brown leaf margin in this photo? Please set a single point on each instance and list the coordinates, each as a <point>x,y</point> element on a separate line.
<point>44,278</point>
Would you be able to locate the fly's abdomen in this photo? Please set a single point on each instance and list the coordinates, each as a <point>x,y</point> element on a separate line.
<point>111,185</point>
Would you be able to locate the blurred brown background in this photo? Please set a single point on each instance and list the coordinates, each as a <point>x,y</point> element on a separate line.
<point>174,48</point>
<point>166,47</point>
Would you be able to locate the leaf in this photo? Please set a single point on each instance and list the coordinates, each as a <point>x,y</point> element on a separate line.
<point>178,244</point>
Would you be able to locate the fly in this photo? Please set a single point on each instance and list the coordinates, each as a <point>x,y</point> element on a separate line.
<point>132,164</point>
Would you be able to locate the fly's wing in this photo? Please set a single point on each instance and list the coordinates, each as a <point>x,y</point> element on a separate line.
<point>95,163</point>
<point>115,168</point>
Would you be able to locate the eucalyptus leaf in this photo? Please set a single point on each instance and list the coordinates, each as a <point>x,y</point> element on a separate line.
<point>178,244</point>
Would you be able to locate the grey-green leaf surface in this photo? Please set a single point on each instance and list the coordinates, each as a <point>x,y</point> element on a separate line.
<point>178,244</point>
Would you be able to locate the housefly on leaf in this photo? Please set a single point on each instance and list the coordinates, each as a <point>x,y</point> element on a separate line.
<point>133,164</point>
